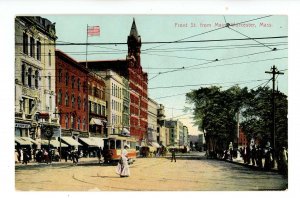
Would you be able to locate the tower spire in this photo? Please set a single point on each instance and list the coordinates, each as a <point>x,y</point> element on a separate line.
<point>133,30</point>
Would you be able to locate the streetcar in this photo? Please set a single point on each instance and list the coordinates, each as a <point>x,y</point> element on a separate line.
<point>113,146</point>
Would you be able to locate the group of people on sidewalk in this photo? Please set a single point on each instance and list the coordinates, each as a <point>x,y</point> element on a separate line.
<point>26,155</point>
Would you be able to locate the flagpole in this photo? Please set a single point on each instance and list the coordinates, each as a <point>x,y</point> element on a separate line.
<point>86,48</point>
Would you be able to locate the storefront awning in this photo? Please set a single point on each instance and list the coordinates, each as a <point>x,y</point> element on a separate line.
<point>70,141</point>
<point>155,144</point>
<point>96,121</point>
<point>22,141</point>
<point>89,142</point>
<point>98,141</point>
<point>54,143</point>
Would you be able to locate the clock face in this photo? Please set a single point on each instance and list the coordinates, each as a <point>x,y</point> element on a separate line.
<point>48,132</point>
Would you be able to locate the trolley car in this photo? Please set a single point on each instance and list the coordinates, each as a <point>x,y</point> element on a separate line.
<point>113,146</point>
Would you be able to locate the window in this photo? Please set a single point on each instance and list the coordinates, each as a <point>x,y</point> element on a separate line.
<point>78,84</point>
<point>83,124</point>
<point>50,102</point>
<point>49,54</point>
<point>103,110</point>
<point>99,110</point>
<point>36,79</point>
<point>67,100</point>
<point>32,47</point>
<point>79,102</point>
<point>59,75</point>
<point>95,108</point>
<point>23,74</point>
<point>78,124</point>
<point>67,79</point>
<point>38,50</point>
<point>25,43</point>
<point>73,101</point>
<point>59,95</point>
<point>84,104</point>
<point>73,82</point>
<point>67,121</point>
<point>72,122</point>
<point>29,77</point>
<point>31,105</point>
<point>49,82</point>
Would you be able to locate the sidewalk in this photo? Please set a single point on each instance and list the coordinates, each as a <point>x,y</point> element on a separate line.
<point>240,161</point>
<point>84,160</point>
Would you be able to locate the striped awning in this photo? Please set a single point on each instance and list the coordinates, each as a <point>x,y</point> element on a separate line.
<point>89,142</point>
<point>70,141</point>
<point>25,141</point>
<point>96,121</point>
<point>54,143</point>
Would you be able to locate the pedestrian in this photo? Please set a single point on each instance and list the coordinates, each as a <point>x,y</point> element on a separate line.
<point>46,156</point>
<point>123,167</point>
<point>16,156</point>
<point>259,153</point>
<point>21,155</point>
<point>253,155</point>
<point>25,157</point>
<point>173,155</point>
<point>99,154</point>
<point>268,158</point>
<point>283,161</point>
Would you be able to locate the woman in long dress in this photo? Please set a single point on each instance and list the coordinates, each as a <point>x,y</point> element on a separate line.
<point>123,167</point>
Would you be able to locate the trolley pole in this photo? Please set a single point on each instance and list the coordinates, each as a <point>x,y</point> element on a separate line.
<point>273,71</point>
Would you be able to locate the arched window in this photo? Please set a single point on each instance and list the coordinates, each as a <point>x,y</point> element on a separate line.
<point>36,79</point>
<point>78,124</point>
<point>59,97</point>
<point>83,124</point>
<point>84,105</point>
<point>67,121</point>
<point>59,75</point>
<point>73,101</point>
<point>79,102</point>
<point>67,100</point>
<point>23,74</point>
<point>72,122</point>
<point>73,82</point>
<point>29,77</point>
<point>78,84</point>
<point>67,79</point>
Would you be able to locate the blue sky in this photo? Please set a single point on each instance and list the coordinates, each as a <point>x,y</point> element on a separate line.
<point>242,62</point>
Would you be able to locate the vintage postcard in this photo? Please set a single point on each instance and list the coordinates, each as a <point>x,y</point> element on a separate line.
<point>151,102</point>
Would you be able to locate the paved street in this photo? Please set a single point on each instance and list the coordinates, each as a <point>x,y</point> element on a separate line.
<point>192,172</point>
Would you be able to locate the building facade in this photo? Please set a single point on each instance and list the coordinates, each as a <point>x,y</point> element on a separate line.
<point>97,106</point>
<point>35,39</point>
<point>114,97</point>
<point>152,135</point>
<point>175,132</point>
<point>72,97</point>
<point>185,136</point>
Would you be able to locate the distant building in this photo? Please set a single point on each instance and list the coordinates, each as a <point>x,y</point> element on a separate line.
<point>175,132</point>
<point>242,138</point>
<point>152,120</point>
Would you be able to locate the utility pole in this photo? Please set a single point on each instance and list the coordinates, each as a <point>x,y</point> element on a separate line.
<point>273,71</point>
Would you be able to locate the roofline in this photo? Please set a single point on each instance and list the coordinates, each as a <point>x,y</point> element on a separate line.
<point>97,61</point>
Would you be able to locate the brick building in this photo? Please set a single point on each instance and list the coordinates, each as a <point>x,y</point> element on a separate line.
<point>72,96</point>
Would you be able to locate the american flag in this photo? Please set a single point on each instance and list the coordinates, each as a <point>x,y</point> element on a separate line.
<point>93,31</point>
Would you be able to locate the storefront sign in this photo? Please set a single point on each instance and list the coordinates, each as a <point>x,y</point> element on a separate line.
<point>21,125</point>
